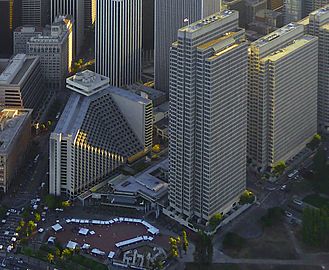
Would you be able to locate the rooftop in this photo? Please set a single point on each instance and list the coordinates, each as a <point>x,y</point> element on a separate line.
<point>276,34</point>
<point>29,29</point>
<point>87,82</point>
<point>16,69</point>
<point>11,121</point>
<point>321,11</point>
<point>208,21</point>
<point>146,183</point>
<point>292,47</point>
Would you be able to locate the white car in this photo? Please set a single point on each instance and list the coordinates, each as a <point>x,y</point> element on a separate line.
<point>41,230</point>
<point>298,202</point>
<point>59,209</point>
<point>288,214</point>
<point>3,221</point>
<point>283,187</point>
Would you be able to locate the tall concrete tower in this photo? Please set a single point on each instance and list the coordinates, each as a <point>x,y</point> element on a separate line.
<point>118,40</point>
<point>207,123</point>
<point>170,15</point>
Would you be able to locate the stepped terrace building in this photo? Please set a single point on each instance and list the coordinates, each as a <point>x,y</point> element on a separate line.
<point>93,136</point>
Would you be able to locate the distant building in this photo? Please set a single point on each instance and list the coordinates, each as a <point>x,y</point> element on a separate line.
<point>10,19</point>
<point>293,10</point>
<point>89,13</point>
<point>170,15</point>
<point>318,25</point>
<point>207,117</point>
<point>118,41</point>
<point>100,129</point>
<point>35,12</point>
<point>55,49</point>
<point>74,8</point>
<point>311,5</point>
<point>15,134</point>
<point>282,95</point>
<point>21,83</point>
<point>22,35</point>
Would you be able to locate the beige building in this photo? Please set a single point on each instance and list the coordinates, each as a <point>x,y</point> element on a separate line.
<point>282,94</point>
<point>15,134</point>
<point>207,117</point>
<point>317,24</point>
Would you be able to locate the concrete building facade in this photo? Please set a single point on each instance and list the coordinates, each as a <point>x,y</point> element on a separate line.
<point>318,25</point>
<point>93,136</point>
<point>207,116</point>
<point>22,35</point>
<point>282,95</point>
<point>21,83</point>
<point>55,49</point>
<point>35,12</point>
<point>15,135</point>
<point>74,8</point>
<point>170,15</point>
<point>118,40</point>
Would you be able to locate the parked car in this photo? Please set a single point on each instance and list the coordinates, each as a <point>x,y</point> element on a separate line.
<point>298,202</point>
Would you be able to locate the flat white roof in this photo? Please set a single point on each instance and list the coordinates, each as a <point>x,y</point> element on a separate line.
<point>57,227</point>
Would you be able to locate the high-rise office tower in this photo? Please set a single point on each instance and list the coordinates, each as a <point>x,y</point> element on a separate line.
<point>319,26</point>
<point>311,5</point>
<point>282,94</point>
<point>170,15</point>
<point>118,40</point>
<point>75,8</point>
<point>89,13</point>
<point>35,12</point>
<point>293,10</point>
<point>9,20</point>
<point>207,123</point>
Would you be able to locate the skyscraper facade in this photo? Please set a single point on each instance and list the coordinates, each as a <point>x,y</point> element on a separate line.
<point>207,123</point>
<point>118,40</point>
<point>311,5</point>
<point>10,19</point>
<point>282,94</point>
<point>293,10</point>
<point>75,8</point>
<point>89,13</point>
<point>55,50</point>
<point>170,15</point>
<point>319,26</point>
<point>35,12</point>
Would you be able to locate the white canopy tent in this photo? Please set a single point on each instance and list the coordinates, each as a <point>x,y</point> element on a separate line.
<point>57,227</point>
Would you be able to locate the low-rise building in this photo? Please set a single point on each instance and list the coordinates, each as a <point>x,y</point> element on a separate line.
<point>21,82</point>
<point>15,134</point>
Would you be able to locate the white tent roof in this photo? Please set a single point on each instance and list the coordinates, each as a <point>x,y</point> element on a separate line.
<point>111,255</point>
<point>83,231</point>
<point>71,245</point>
<point>57,227</point>
<point>97,251</point>
<point>51,239</point>
<point>85,246</point>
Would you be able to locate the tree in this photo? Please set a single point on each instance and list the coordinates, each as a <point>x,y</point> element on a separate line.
<point>247,197</point>
<point>185,241</point>
<point>272,217</point>
<point>215,220</point>
<point>50,257</point>
<point>156,148</point>
<point>203,249</point>
<point>37,217</point>
<point>66,203</point>
<point>315,229</point>
<point>233,240</point>
<point>316,140</point>
<point>52,202</point>
<point>173,247</point>
<point>279,168</point>
<point>21,223</point>
<point>66,253</point>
